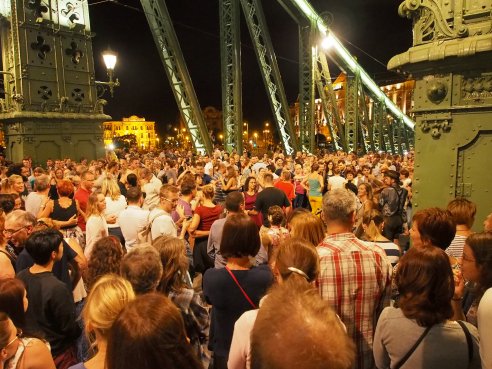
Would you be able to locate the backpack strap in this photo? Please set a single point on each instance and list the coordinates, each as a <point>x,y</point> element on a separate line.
<point>469,341</point>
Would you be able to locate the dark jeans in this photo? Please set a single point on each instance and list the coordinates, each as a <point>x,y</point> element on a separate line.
<point>299,200</point>
<point>393,227</point>
<point>201,260</point>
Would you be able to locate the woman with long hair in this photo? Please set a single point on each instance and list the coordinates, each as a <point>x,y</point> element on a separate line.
<point>176,284</point>
<point>149,333</point>
<point>475,302</point>
<point>229,181</point>
<point>366,197</point>
<point>250,193</point>
<point>107,298</point>
<point>420,334</point>
<point>372,224</point>
<point>13,301</point>
<point>96,226</point>
<point>115,204</point>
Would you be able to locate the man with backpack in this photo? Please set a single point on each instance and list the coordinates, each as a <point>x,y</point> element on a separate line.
<point>392,203</point>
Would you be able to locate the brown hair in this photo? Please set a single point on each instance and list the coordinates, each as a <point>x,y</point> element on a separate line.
<point>142,268</point>
<point>12,300</point>
<point>373,220</point>
<point>174,263</point>
<point>299,254</point>
<point>463,211</point>
<point>149,333</point>
<point>105,257</point>
<point>208,191</point>
<point>426,285</point>
<point>481,246</point>
<point>307,226</point>
<point>277,214</point>
<point>240,237</point>
<point>288,309</point>
<point>435,226</point>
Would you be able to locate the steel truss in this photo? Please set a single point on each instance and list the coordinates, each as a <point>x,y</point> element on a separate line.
<point>255,20</point>
<point>177,73</point>
<point>230,50</point>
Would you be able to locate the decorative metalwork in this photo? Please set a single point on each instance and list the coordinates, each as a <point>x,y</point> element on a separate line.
<point>255,19</point>
<point>436,127</point>
<point>432,21</point>
<point>230,50</point>
<point>352,121</point>
<point>162,30</point>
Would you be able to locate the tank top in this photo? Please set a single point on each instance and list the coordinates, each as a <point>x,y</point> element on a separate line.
<point>63,214</point>
<point>314,187</point>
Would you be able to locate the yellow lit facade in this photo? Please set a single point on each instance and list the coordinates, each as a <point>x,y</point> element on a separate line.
<point>143,130</point>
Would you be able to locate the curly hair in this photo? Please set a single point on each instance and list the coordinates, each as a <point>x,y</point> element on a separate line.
<point>174,263</point>
<point>277,214</point>
<point>426,285</point>
<point>105,258</point>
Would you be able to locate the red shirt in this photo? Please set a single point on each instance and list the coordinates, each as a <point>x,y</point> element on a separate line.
<point>207,216</point>
<point>82,196</point>
<point>287,187</point>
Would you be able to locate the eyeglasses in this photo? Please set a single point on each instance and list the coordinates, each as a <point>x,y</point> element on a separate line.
<point>17,336</point>
<point>11,232</point>
<point>172,201</point>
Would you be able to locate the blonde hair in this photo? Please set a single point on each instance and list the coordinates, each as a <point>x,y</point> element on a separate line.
<point>108,296</point>
<point>110,188</point>
<point>307,226</point>
<point>92,208</point>
<point>372,220</point>
<point>208,191</point>
<point>172,252</point>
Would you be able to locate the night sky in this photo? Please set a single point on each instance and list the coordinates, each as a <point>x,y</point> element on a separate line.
<point>371,25</point>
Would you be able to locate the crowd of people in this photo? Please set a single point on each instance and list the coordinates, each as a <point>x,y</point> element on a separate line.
<point>171,260</point>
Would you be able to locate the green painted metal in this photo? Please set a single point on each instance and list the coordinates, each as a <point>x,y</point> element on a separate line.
<point>379,121</point>
<point>329,103</point>
<point>172,58</point>
<point>352,121</point>
<point>255,20</point>
<point>450,60</point>
<point>51,109</point>
<point>230,53</point>
<point>307,58</point>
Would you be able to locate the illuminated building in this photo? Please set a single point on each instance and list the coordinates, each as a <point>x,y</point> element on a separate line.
<point>143,130</point>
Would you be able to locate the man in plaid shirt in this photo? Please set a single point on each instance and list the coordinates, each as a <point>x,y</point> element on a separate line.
<point>354,275</point>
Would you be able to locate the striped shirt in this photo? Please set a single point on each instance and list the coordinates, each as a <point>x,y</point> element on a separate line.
<point>391,249</point>
<point>355,278</point>
<point>455,248</point>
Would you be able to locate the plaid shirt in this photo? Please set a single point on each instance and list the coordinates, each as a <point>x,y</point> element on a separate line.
<point>355,278</point>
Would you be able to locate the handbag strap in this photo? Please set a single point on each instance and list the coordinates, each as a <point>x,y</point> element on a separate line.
<point>242,290</point>
<point>469,341</point>
<point>414,347</point>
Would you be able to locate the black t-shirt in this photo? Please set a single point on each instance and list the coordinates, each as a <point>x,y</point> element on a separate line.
<point>270,196</point>
<point>60,269</point>
<point>51,310</point>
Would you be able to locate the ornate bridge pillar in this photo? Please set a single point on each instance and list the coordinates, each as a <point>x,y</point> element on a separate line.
<point>50,108</point>
<point>451,60</point>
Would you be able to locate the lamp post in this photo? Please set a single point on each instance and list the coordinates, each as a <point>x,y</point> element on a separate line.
<point>110,58</point>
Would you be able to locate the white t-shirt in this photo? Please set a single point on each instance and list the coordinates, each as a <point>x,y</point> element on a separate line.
<point>115,207</point>
<point>132,220</point>
<point>151,190</point>
<point>95,229</point>
<point>336,182</point>
<point>162,224</point>
<point>33,203</point>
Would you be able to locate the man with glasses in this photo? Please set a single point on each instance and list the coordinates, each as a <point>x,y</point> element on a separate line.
<point>18,227</point>
<point>160,216</point>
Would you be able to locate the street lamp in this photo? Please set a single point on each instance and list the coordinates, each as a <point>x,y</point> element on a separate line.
<point>110,59</point>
